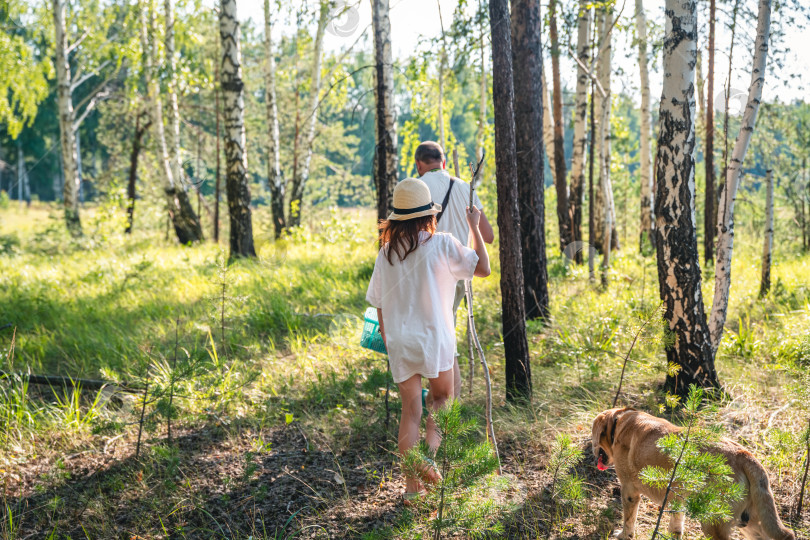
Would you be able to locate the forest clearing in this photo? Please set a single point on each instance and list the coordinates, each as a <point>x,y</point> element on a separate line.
<point>230,234</point>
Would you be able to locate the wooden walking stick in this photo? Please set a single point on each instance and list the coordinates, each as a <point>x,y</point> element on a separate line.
<point>469,330</point>
<point>476,175</point>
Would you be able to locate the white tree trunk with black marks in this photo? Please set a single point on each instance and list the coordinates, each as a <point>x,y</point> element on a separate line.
<point>275,180</point>
<point>646,233</point>
<point>725,211</point>
<point>173,120</point>
<point>302,172</point>
<point>767,248</point>
<point>548,126</point>
<point>679,277</point>
<point>580,121</point>
<point>67,139</point>
<point>236,181</point>
<point>386,164</point>
<point>482,105</point>
<point>185,222</point>
<point>602,203</point>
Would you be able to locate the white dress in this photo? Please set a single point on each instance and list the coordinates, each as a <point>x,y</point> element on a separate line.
<point>416,298</point>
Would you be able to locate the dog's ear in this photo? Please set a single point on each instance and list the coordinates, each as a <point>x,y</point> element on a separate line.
<point>608,431</point>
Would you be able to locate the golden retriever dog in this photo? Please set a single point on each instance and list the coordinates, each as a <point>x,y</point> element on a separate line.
<point>626,439</point>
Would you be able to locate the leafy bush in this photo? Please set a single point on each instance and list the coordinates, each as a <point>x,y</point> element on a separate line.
<point>9,243</point>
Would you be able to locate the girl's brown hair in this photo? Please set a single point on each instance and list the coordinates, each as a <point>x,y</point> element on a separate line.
<point>402,237</point>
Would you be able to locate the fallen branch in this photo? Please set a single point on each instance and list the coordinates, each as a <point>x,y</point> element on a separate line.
<point>58,380</point>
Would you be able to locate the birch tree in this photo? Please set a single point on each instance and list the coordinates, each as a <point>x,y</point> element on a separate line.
<point>527,57</point>
<point>646,236</point>
<point>186,225</point>
<point>67,136</point>
<point>275,179</point>
<point>482,103</point>
<point>516,348</point>
<point>303,154</point>
<point>604,215</point>
<point>767,248</point>
<point>548,126</point>
<point>679,277</point>
<point>386,162</point>
<point>725,211</point>
<point>233,110</point>
<point>580,120</point>
<point>709,220</point>
<point>563,216</point>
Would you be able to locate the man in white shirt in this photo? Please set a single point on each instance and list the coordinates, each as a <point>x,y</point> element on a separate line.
<point>430,164</point>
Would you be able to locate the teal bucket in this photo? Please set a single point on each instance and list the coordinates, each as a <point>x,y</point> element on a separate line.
<point>371,338</point>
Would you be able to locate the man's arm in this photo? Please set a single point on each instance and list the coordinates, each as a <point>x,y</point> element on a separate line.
<point>486,229</point>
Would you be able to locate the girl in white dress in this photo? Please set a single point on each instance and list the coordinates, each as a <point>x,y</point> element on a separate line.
<point>413,288</point>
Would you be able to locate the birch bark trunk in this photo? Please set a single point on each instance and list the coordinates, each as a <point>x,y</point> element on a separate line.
<point>548,127</point>
<point>67,139</point>
<point>274,178</point>
<point>516,348</point>
<point>178,205</point>
<point>560,182</point>
<point>527,57</point>
<point>646,237</point>
<point>603,75</point>
<point>301,174</point>
<point>679,277</point>
<point>236,181</point>
<point>482,105</point>
<point>580,133</point>
<point>725,213</point>
<point>767,248</point>
<point>191,221</point>
<point>386,165</point>
<point>708,154</point>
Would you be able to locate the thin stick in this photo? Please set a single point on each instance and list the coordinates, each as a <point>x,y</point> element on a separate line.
<point>490,429</point>
<point>469,332</point>
<point>627,357</point>
<point>804,478</point>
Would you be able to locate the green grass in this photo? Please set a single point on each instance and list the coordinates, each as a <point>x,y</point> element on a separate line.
<point>109,306</point>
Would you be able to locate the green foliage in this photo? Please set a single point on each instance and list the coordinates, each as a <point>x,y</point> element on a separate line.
<point>567,488</point>
<point>464,500</point>
<point>700,482</point>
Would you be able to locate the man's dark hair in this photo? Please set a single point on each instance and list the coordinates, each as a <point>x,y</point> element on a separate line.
<point>428,152</point>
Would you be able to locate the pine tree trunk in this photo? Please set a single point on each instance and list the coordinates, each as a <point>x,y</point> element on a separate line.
<point>646,236</point>
<point>580,133</point>
<point>190,220</point>
<point>386,165</point>
<point>767,249</point>
<point>563,215</point>
<point>516,348</point>
<point>527,58</point>
<point>236,180</point>
<point>725,211</point>
<point>301,174</point>
<point>274,177</point>
<point>64,100</point>
<point>709,221</point>
<point>679,277</point>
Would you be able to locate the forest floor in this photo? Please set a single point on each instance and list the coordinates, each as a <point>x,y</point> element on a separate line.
<point>266,419</point>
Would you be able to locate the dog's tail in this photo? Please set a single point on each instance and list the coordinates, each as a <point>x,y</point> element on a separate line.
<point>762,500</point>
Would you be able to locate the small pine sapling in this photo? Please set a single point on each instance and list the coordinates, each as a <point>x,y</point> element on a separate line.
<point>567,489</point>
<point>700,482</point>
<point>462,499</point>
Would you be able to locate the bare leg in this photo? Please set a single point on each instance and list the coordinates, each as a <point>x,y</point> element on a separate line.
<point>441,390</point>
<point>410,392</point>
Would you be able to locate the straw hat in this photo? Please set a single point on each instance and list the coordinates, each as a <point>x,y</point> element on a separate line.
<point>412,199</point>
